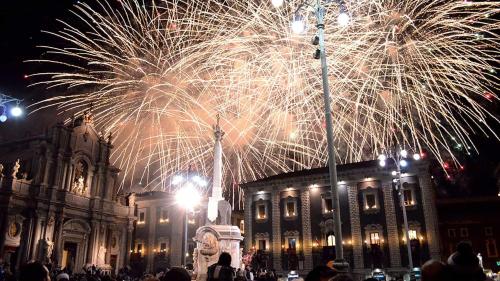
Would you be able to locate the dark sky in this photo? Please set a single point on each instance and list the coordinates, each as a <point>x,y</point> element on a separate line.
<point>21,22</point>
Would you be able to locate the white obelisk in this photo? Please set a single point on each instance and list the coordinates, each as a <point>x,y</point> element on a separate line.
<point>213,201</point>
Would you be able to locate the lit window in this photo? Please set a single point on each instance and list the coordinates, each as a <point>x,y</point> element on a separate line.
<point>164,216</point>
<point>330,241</point>
<point>290,208</point>
<point>242,226</point>
<point>139,249</point>
<point>142,217</point>
<point>412,234</point>
<point>262,245</point>
<point>408,197</point>
<point>327,205</point>
<point>374,238</point>
<point>163,247</point>
<point>452,233</point>
<point>464,232</point>
<point>292,243</point>
<point>370,200</point>
<point>261,212</point>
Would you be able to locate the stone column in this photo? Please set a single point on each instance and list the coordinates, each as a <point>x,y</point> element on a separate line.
<point>176,254</point>
<point>248,220</point>
<point>276,221</point>
<point>306,228</point>
<point>128,242</point>
<point>392,225</point>
<point>93,242</point>
<point>58,237</point>
<point>151,238</point>
<point>69,176</point>
<point>430,214</point>
<point>357,237</point>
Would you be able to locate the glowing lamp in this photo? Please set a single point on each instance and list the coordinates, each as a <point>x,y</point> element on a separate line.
<point>404,153</point>
<point>416,156</point>
<point>3,118</point>
<point>298,25</point>
<point>187,196</point>
<point>403,163</point>
<point>277,3</point>
<point>381,163</point>
<point>16,111</point>
<point>343,19</point>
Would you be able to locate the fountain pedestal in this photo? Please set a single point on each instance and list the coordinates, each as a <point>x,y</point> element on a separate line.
<point>211,241</point>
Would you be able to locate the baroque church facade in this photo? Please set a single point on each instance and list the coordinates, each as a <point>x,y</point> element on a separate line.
<point>59,203</point>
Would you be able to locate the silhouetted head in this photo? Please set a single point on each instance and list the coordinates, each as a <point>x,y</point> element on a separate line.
<point>320,273</point>
<point>34,271</point>
<point>224,259</point>
<point>434,270</point>
<point>176,273</point>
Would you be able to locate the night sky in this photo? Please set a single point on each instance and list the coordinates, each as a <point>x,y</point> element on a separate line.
<point>21,23</point>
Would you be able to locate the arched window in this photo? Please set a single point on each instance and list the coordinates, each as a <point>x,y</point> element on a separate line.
<point>330,240</point>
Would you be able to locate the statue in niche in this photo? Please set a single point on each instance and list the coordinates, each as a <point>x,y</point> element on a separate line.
<point>15,169</point>
<point>1,170</point>
<point>79,186</point>
<point>47,248</point>
<point>101,255</point>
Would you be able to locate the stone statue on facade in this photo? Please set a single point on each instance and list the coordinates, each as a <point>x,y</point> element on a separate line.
<point>79,186</point>
<point>131,199</point>
<point>15,169</point>
<point>47,247</point>
<point>1,171</point>
<point>101,255</point>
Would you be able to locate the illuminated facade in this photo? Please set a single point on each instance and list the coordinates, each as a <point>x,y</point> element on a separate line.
<point>288,218</point>
<point>58,201</point>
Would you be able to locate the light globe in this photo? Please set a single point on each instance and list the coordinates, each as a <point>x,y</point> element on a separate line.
<point>16,111</point>
<point>277,3</point>
<point>298,25</point>
<point>343,19</point>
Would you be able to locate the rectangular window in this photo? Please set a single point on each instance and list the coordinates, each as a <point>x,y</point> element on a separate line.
<point>242,226</point>
<point>262,245</point>
<point>491,248</point>
<point>452,233</point>
<point>328,205</point>
<point>371,202</point>
<point>290,209</point>
<point>164,214</point>
<point>261,211</point>
<point>374,238</point>
<point>163,247</point>
<point>412,234</point>
<point>139,248</point>
<point>408,197</point>
<point>292,243</point>
<point>142,217</point>
<point>464,232</point>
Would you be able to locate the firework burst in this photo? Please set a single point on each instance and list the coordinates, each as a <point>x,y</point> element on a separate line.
<point>403,72</point>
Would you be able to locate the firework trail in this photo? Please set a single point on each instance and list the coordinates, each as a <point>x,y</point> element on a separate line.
<point>412,73</point>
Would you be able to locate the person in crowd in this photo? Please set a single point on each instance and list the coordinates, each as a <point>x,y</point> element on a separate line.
<point>34,271</point>
<point>62,277</point>
<point>464,265</point>
<point>176,273</point>
<point>321,273</point>
<point>434,270</point>
<point>222,270</point>
<point>342,277</point>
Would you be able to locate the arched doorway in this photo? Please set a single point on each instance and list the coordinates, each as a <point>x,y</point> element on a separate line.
<point>74,244</point>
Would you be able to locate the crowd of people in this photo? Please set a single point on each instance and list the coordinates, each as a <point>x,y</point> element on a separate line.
<point>462,265</point>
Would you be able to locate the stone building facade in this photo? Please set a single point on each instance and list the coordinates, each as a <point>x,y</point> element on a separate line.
<point>288,218</point>
<point>159,231</point>
<point>58,201</point>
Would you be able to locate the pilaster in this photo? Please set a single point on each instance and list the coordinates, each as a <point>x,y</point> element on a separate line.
<point>430,215</point>
<point>151,238</point>
<point>306,228</point>
<point>248,221</point>
<point>276,226</point>
<point>392,225</point>
<point>357,238</point>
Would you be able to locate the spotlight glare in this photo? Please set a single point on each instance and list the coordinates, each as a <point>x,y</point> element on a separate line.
<point>404,153</point>
<point>3,118</point>
<point>403,163</point>
<point>298,25</point>
<point>343,19</point>
<point>277,3</point>
<point>381,163</point>
<point>16,111</point>
<point>416,156</point>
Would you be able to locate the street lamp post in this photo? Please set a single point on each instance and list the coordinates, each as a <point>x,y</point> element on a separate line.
<point>15,111</point>
<point>187,196</point>
<point>399,160</point>
<point>298,26</point>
